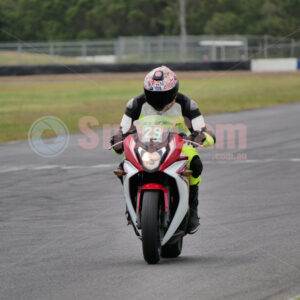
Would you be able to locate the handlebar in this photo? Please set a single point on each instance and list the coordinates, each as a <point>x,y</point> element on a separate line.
<point>185,139</point>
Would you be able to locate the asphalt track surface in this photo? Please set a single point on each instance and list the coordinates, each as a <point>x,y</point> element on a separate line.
<point>63,233</point>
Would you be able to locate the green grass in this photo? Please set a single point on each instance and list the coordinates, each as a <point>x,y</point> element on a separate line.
<point>13,58</point>
<point>21,103</point>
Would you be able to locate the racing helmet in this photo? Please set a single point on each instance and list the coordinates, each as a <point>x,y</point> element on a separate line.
<point>160,87</point>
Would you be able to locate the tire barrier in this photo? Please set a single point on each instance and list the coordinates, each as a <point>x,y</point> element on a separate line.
<point>126,68</point>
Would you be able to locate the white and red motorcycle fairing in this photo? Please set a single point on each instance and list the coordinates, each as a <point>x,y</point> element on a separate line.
<point>167,184</point>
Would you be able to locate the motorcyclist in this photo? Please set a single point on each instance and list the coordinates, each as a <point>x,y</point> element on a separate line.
<point>161,97</point>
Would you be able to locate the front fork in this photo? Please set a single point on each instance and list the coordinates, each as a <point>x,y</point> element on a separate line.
<point>166,201</point>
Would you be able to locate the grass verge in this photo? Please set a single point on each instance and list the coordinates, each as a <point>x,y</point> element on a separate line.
<point>21,103</point>
<point>26,58</point>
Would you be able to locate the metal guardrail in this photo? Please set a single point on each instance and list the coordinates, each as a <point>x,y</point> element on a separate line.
<point>148,50</point>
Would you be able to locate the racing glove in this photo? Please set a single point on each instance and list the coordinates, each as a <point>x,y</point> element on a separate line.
<point>118,137</point>
<point>198,137</point>
<point>205,138</point>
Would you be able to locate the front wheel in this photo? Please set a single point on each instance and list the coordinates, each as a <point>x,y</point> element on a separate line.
<point>172,250</point>
<point>150,227</point>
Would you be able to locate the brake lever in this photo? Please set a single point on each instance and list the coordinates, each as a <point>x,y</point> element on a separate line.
<point>116,144</point>
<point>194,143</point>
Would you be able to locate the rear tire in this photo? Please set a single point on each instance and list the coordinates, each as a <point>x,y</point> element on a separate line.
<point>172,250</point>
<point>150,227</point>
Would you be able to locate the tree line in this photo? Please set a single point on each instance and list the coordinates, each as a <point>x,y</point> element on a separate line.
<point>32,20</point>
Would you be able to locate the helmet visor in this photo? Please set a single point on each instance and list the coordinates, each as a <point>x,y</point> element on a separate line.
<point>159,99</point>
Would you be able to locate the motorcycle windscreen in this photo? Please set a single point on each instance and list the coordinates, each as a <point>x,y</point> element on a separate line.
<point>157,128</point>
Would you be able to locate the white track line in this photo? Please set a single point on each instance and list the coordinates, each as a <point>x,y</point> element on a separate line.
<point>51,167</point>
<point>9,169</point>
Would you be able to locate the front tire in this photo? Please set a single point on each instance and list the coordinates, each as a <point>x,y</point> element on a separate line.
<point>173,250</point>
<point>150,227</point>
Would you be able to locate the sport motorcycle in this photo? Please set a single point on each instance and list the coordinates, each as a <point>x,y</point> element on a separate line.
<point>156,185</point>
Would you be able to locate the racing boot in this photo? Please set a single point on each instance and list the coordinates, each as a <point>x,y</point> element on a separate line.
<point>193,223</point>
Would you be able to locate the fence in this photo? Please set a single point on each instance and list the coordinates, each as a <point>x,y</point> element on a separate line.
<point>161,49</point>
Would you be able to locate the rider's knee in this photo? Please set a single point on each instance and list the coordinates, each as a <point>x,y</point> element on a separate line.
<point>196,166</point>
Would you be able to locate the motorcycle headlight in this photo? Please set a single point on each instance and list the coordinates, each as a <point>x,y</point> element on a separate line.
<point>151,160</point>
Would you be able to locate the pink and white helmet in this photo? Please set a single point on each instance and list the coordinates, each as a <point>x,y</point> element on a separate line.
<point>160,87</point>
